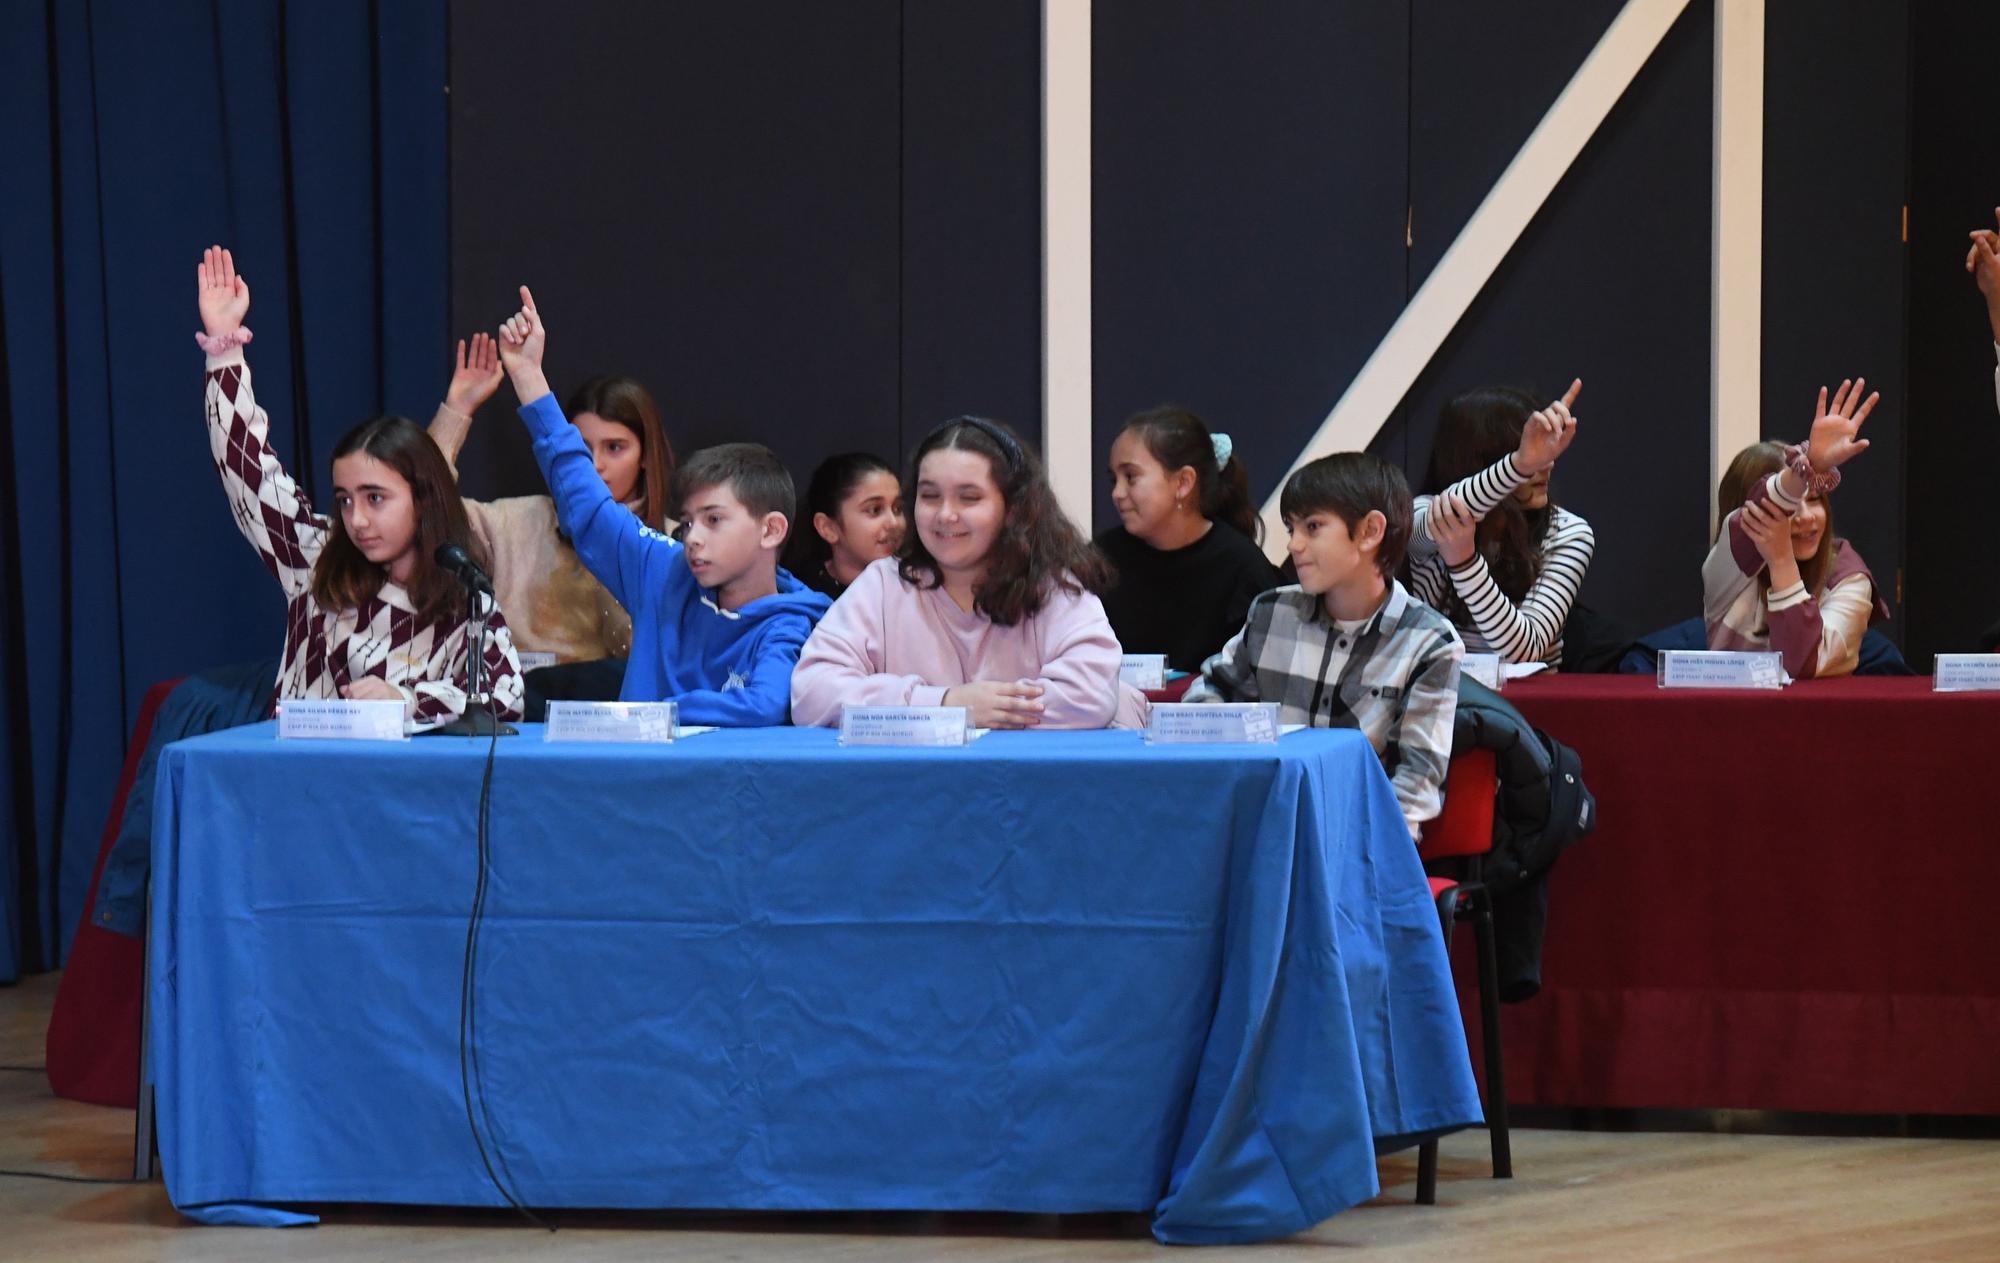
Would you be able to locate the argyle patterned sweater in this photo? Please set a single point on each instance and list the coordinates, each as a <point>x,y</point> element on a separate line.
<point>327,649</point>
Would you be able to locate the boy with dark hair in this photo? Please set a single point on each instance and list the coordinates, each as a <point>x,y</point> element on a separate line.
<point>717,625</point>
<point>1348,646</point>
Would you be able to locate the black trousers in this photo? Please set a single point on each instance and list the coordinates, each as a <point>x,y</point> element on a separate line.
<point>595,681</point>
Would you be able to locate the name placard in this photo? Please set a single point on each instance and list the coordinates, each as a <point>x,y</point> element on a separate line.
<point>1721,669</point>
<point>534,659</point>
<point>1485,668</point>
<point>340,719</point>
<point>1966,673</point>
<point>1144,670</point>
<point>905,726</point>
<point>1193,723</point>
<point>610,721</point>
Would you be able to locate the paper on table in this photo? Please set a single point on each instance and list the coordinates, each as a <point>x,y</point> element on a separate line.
<point>692,730</point>
<point>1522,670</point>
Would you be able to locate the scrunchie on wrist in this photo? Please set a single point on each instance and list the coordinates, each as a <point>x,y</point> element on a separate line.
<point>1817,484</point>
<point>222,343</point>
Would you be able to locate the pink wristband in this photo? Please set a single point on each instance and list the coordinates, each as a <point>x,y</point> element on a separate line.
<point>1817,484</point>
<point>240,336</point>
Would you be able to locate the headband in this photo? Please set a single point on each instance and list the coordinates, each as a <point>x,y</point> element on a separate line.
<point>1010,447</point>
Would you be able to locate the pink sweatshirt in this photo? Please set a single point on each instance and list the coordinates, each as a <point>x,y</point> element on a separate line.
<point>889,643</point>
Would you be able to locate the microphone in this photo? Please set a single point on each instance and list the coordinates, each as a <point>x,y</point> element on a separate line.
<point>453,558</point>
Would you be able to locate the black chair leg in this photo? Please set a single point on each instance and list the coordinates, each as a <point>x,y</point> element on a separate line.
<point>1427,1153</point>
<point>1489,1030</point>
<point>143,1133</point>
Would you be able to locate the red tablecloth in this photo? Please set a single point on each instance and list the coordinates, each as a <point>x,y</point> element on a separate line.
<point>1786,904</point>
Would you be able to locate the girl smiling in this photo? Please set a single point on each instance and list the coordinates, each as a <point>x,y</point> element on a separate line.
<point>1778,577</point>
<point>1185,549</point>
<point>989,604</point>
<point>855,505</point>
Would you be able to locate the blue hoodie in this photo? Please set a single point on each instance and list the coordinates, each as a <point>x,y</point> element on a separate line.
<point>731,668</point>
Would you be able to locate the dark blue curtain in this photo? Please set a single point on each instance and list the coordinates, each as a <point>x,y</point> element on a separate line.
<point>312,140</point>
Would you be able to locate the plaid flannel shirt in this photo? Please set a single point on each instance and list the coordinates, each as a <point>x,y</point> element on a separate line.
<point>1395,678</point>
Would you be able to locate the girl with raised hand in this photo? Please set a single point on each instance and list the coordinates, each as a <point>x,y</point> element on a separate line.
<point>559,607</point>
<point>1778,577</point>
<point>855,505</point>
<point>1489,549</point>
<point>989,604</point>
<point>368,613</point>
<point>1185,549</point>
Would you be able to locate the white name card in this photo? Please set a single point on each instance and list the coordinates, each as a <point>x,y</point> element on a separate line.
<point>535,659</point>
<point>1485,668</point>
<point>1189,723</point>
<point>609,721</point>
<point>1144,670</point>
<point>1721,669</point>
<point>340,719</point>
<point>905,726</point>
<point>1966,673</point>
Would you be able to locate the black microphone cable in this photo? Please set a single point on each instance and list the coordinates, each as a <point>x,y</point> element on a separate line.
<point>468,1040</point>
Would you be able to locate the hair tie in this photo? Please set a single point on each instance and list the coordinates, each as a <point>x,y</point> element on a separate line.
<point>219,345</point>
<point>1817,483</point>
<point>1224,448</point>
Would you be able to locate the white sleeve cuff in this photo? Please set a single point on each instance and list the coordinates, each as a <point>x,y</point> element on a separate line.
<point>1786,597</point>
<point>1776,482</point>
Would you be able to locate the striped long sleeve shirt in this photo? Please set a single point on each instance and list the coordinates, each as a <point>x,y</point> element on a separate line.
<point>1530,630</point>
<point>328,649</point>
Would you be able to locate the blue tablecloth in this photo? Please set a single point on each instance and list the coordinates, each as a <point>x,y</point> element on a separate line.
<point>1051,972</point>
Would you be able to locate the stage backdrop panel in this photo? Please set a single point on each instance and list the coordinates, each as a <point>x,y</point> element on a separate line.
<point>1954,436</point>
<point>814,226</point>
<point>1608,283</point>
<point>1251,170</point>
<point>1835,262</point>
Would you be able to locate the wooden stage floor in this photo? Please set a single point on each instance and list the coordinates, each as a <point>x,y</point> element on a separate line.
<point>1576,1195</point>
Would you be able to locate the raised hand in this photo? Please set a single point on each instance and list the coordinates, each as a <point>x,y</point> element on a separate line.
<point>997,704</point>
<point>1452,525</point>
<point>522,337</point>
<point>1983,261</point>
<point>1549,433</point>
<point>223,296</point>
<point>1832,443</point>
<point>477,377</point>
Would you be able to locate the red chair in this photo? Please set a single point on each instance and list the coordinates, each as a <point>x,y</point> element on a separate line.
<point>1173,692</point>
<point>1463,833</point>
<point>92,1048</point>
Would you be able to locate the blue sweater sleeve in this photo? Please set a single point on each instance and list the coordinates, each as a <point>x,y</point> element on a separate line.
<point>627,557</point>
<point>765,699</point>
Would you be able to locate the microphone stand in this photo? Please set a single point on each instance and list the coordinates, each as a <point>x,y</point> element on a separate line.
<point>478,719</point>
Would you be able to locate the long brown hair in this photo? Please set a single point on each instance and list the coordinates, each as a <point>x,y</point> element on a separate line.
<point>1475,431</point>
<point>1179,439</point>
<point>1753,465</point>
<point>624,400</point>
<point>1038,548</point>
<point>343,578</point>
